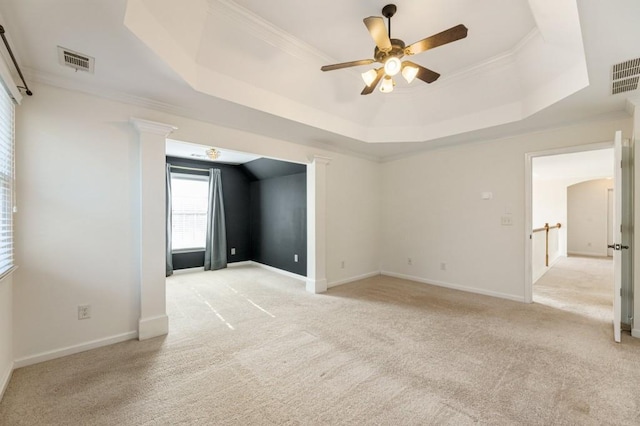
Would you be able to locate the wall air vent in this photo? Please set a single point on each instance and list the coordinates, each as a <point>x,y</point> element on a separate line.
<point>625,76</point>
<point>76,60</point>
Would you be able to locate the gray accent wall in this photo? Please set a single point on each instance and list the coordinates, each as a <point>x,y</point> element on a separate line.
<point>279,222</point>
<point>265,210</point>
<point>266,168</point>
<point>236,193</point>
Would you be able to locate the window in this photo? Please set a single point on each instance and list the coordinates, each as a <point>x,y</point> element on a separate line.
<point>189,203</point>
<point>6,182</point>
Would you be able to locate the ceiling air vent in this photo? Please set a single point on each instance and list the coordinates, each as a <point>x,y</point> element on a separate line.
<point>76,60</point>
<point>626,85</point>
<point>625,76</point>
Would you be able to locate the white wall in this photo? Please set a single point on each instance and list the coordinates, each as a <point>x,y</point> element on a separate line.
<point>353,213</point>
<point>6,332</point>
<point>587,207</point>
<point>433,211</point>
<point>76,236</point>
<point>549,205</point>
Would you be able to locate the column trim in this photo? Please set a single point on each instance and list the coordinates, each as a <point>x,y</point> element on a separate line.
<point>148,126</point>
<point>153,320</point>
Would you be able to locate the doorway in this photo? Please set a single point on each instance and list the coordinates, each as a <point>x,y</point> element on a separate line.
<point>542,183</point>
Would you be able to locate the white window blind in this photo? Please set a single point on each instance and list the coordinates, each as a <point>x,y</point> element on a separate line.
<point>189,205</point>
<point>6,181</point>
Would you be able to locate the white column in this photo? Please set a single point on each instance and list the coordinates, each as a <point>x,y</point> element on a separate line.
<point>153,310</point>
<point>316,225</point>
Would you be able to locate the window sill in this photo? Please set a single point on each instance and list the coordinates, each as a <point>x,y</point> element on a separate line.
<point>8,273</point>
<point>189,250</point>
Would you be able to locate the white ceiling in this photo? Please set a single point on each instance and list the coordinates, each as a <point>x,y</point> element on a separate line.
<point>194,151</point>
<point>254,65</point>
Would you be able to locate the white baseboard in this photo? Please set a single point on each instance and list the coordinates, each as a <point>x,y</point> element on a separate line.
<point>70,350</point>
<point>5,378</point>
<point>153,327</point>
<point>242,263</point>
<point>188,270</point>
<point>546,268</point>
<point>586,254</point>
<point>316,286</point>
<point>352,279</point>
<point>280,271</point>
<point>456,286</point>
<point>635,332</point>
<point>557,259</point>
<point>201,268</point>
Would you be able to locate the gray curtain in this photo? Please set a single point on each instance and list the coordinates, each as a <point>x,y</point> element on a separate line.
<point>168,227</point>
<point>215,253</point>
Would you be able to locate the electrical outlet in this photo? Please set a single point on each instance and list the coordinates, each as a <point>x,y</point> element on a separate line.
<point>409,261</point>
<point>233,251</point>
<point>295,257</point>
<point>443,266</point>
<point>506,220</point>
<point>84,312</point>
<point>342,264</point>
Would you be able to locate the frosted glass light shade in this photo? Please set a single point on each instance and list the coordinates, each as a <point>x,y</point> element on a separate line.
<point>369,77</point>
<point>409,73</point>
<point>387,85</point>
<point>392,66</point>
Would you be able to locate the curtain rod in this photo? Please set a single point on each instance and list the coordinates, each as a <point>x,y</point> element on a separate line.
<point>15,63</point>
<point>188,168</point>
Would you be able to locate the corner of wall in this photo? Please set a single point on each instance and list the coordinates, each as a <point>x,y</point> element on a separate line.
<point>5,378</point>
<point>6,333</point>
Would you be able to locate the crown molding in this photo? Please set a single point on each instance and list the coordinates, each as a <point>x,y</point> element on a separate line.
<point>191,113</point>
<point>267,32</point>
<point>148,126</point>
<point>293,46</point>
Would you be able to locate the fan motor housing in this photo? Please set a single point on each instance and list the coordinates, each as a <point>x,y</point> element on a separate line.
<point>397,50</point>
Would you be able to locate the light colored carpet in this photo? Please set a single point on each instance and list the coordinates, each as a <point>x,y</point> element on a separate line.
<point>248,346</point>
<point>583,285</point>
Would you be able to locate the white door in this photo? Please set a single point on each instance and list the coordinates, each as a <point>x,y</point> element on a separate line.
<point>617,235</point>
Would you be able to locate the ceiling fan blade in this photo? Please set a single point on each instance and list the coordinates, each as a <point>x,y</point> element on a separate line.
<point>378,31</point>
<point>447,36</point>
<point>370,88</point>
<point>424,74</point>
<point>347,64</point>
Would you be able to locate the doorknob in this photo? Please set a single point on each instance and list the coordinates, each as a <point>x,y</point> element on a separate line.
<point>617,247</point>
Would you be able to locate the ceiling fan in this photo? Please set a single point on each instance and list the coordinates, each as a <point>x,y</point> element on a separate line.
<point>389,52</point>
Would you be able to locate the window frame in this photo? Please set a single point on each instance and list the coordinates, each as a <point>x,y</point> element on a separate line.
<point>186,176</point>
<point>7,180</point>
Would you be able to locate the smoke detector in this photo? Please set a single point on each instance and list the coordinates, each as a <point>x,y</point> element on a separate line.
<point>76,60</point>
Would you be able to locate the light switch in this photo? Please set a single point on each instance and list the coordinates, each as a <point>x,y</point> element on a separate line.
<point>487,195</point>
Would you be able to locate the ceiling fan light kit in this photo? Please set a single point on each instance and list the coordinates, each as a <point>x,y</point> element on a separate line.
<point>212,153</point>
<point>392,66</point>
<point>387,85</point>
<point>389,52</point>
<point>409,72</point>
<point>369,77</point>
